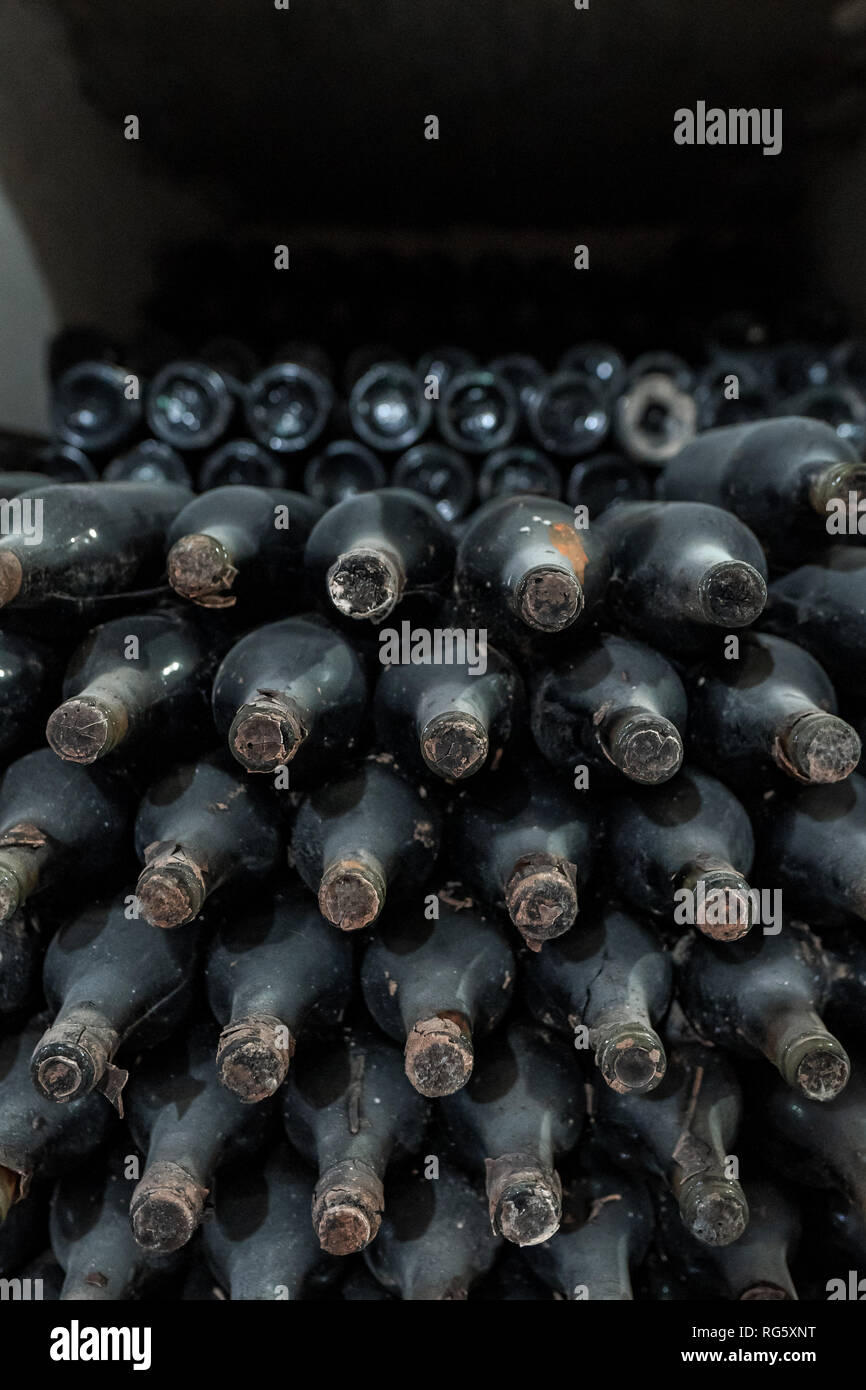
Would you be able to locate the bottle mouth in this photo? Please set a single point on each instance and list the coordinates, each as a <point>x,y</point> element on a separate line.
<point>732,594</point>
<point>348,1203</point>
<point>818,748</point>
<point>646,748</point>
<point>632,1059</point>
<point>166,1208</point>
<point>438,1056</point>
<point>170,894</point>
<point>838,482</point>
<point>818,1066</point>
<point>723,905</point>
<point>82,729</point>
<point>454,745</point>
<point>365,584</point>
<point>714,1209</point>
<point>351,894</point>
<point>265,734</point>
<point>525,1201</point>
<point>62,1072</point>
<point>199,569</point>
<point>549,599</point>
<point>541,897</point>
<point>253,1057</point>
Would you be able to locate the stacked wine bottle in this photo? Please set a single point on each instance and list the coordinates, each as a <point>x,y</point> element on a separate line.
<point>431,867</point>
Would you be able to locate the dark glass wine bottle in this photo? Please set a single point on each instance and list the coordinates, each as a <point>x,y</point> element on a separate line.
<point>598,482</point>
<point>756,1267</point>
<point>240,542</point>
<point>350,1110</point>
<point>272,975</point>
<point>371,551</point>
<point>111,982</point>
<point>777,475</point>
<point>288,406</point>
<point>763,995</point>
<point>440,474</point>
<point>813,842</point>
<point>568,415</point>
<point>371,833</point>
<point>202,827</point>
<point>771,708</point>
<point>682,571</point>
<point>259,1243</point>
<point>22,944</point>
<point>612,980</point>
<point>518,469</point>
<point>137,679</point>
<point>389,407</point>
<point>435,1241</point>
<point>95,539</point>
<point>30,669</point>
<point>525,841</point>
<point>683,1133</point>
<point>683,850</point>
<point>614,705</point>
<point>190,405</point>
<point>820,606</point>
<point>61,828</point>
<point>607,1227</point>
<point>93,1241</point>
<point>187,1124</point>
<point>819,1147</point>
<point>521,1109</point>
<point>40,1140</point>
<point>343,468</point>
<point>523,567</point>
<point>436,984</point>
<point>95,406</point>
<point>478,411</point>
<point>291,692</point>
<point>451,719</point>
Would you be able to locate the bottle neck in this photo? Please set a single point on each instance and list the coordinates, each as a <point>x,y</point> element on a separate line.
<point>73,1057</point>
<point>89,725</point>
<point>808,1056</point>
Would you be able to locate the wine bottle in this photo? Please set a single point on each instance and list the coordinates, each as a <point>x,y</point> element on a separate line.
<point>245,542</point>
<point>388,407</point>
<point>60,826</point>
<point>568,415</point>
<point>150,461</point>
<point>681,570</point>
<point>272,975</point>
<point>655,414</point>
<point>96,538</point>
<point>293,692</point>
<point>605,1235</point>
<point>604,363</point>
<point>92,1239</point>
<point>343,468</point>
<point>763,995</point>
<point>190,405</point>
<point>523,567</point>
<point>29,678</point>
<point>350,1110</point>
<point>40,1140</point>
<point>823,1148</point>
<point>111,983</point>
<point>373,550</point>
<point>241,463</point>
<point>93,407</point>
<point>440,474</point>
<point>814,843</point>
<point>517,469</point>
<point>613,981</point>
<point>683,1132</point>
<point>598,482</point>
<point>436,985</point>
<point>133,679</point>
<point>451,719</point>
<point>779,476</point>
<point>820,606</point>
<point>478,412</point>
<point>772,708</point>
<point>756,1268</point>
<point>186,1124</point>
<point>616,704</point>
<point>260,1244</point>
<point>683,849</point>
<point>372,832</point>
<point>524,841</point>
<point>288,406</point>
<point>435,1241</point>
<point>521,1109</point>
<point>201,827</point>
